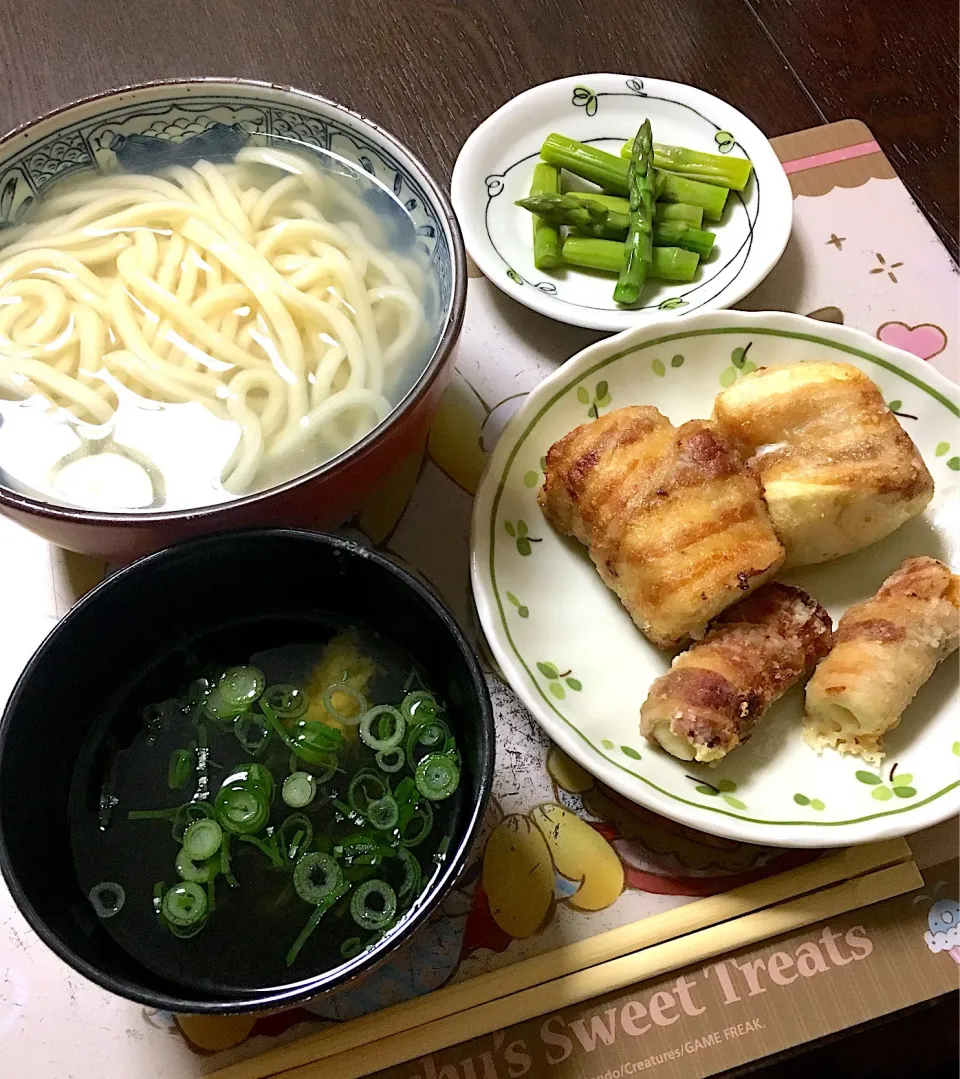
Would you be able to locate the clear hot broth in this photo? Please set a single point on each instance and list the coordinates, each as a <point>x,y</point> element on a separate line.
<point>245,939</point>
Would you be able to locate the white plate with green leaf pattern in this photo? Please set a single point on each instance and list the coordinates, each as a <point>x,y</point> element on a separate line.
<point>495,166</point>
<point>571,652</point>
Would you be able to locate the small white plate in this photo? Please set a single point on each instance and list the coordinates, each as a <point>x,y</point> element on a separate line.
<point>496,164</point>
<point>572,654</point>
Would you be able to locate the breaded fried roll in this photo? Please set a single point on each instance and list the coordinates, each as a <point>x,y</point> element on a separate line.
<point>885,649</point>
<point>712,697</point>
<point>674,523</point>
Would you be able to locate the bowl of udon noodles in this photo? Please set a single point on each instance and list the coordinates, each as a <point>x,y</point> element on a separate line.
<point>222,303</point>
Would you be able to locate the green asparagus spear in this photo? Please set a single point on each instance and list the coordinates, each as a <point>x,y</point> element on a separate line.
<point>730,172</point>
<point>672,188</point>
<point>668,263</point>
<point>597,166</point>
<point>664,211</point>
<point>590,218</point>
<point>638,246</point>
<point>546,236</point>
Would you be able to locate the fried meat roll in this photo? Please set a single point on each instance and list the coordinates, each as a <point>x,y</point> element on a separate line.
<point>885,650</point>
<point>674,523</point>
<point>712,697</point>
<point>838,471</point>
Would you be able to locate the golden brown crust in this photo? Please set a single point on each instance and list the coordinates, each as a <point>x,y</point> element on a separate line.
<point>838,470</point>
<point>885,649</point>
<point>712,697</point>
<point>674,523</point>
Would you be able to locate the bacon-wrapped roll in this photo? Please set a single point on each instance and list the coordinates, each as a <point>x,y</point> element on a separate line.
<point>712,697</point>
<point>674,523</point>
<point>885,649</point>
<point>838,471</point>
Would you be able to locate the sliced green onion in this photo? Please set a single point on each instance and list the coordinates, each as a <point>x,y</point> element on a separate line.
<point>220,710</point>
<point>316,876</point>
<point>186,815</point>
<point>390,727</point>
<point>366,786</point>
<point>353,718</point>
<point>178,771</point>
<point>185,932</point>
<point>252,732</point>
<point>299,789</point>
<point>311,741</point>
<point>437,776</point>
<point>432,734</point>
<point>351,948</point>
<point>202,839</point>
<point>322,769</point>
<point>294,836</point>
<point>383,814</point>
<point>286,700</point>
<point>242,810</point>
<point>417,825</point>
<point>196,869</point>
<point>241,686</point>
<point>267,847</point>
<point>373,905</point>
<point>314,920</point>
<point>391,760</point>
<point>412,874</point>
<point>419,707</point>
<point>107,898</point>
<point>185,904</point>
<point>225,861</point>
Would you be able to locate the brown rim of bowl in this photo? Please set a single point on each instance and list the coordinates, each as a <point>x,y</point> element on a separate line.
<point>10,498</point>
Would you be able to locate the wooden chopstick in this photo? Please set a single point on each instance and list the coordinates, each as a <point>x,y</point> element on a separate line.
<point>615,974</point>
<point>601,949</point>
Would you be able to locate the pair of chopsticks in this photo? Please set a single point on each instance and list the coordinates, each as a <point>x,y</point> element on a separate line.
<point>835,884</point>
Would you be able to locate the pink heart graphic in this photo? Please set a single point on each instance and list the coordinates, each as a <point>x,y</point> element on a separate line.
<point>924,340</point>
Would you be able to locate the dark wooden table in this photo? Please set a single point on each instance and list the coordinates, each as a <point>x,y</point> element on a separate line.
<point>430,70</point>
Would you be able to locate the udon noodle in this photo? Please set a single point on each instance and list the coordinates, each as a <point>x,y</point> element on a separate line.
<point>255,288</point>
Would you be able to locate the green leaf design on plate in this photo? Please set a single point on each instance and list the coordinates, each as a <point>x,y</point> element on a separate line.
<point>725,141</point>
<point>801,799</point>
<point>548,670</point>
<point>523,611</point>
<point>530,478</point>
<point>902,779</point>
<point>557,690</point>
<point>942,449</point>
<point>894,406</point>
<point>523,546</point>
<point>658,369</point>
<point>728,376</point>
<point>725,786</point>
<point>954,463</point>
<point>515,277</point>
<point>956,749</point>
<point>905,792</point>
<point>606,743</point>
<point>513,599</point>
<point>731,801</point>
<point>629,751</point>
<point>738,357</point>
<point>748,367</point>
<point>816,804</point>
<point>677,361</point>
<point>602,402</point>
<point>602,389</point>
<point>508,525</point>
<point>702,788</point>
<point>582,395</point>
<point>672,304</point>
<point>575,684</point>
<point>882,794</point>
<point>521,528</point>
<point>869,778</point>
